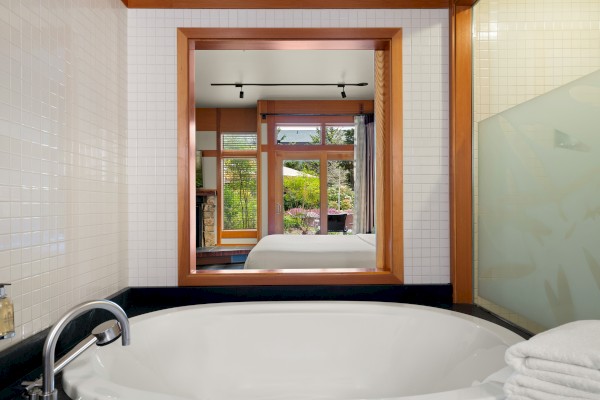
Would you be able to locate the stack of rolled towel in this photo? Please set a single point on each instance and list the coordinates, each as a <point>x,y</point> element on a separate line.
<point>562,363</point>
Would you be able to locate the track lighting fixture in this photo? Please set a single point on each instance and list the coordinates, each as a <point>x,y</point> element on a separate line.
<point>241,90</point>
<point>343,91</point>
<point>339,85</point>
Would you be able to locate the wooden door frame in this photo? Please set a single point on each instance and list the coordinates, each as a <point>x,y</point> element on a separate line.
<point>389,40</point>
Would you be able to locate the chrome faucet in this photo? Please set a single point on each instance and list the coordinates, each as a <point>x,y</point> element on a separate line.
<point>43,388</point>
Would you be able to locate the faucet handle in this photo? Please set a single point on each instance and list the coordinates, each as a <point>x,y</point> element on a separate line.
<point>33,388</point>
<point>32,384</point>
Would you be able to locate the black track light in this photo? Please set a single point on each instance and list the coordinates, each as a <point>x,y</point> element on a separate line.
<point>339,85</point>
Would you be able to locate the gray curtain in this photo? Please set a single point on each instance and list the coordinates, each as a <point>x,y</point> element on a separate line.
<point>364,183</point>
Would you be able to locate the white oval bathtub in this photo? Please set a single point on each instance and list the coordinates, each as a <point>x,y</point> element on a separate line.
<point>297,350</point>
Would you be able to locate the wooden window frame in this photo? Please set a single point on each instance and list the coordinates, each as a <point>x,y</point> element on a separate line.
<point>387,43</point>
<point>223,233</point>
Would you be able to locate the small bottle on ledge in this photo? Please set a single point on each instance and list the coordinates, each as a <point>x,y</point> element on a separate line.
<point>7,314</point>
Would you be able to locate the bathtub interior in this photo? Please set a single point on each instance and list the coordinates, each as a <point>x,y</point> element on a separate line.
<point>291,350</point>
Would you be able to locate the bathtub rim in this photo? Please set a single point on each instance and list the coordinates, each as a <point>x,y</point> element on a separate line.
<point>484,391</point>
<point>507,335</point>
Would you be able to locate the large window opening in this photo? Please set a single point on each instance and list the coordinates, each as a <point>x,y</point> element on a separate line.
<point>386,44</point>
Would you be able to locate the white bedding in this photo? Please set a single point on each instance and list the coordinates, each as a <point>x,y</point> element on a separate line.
<point>313,251</point>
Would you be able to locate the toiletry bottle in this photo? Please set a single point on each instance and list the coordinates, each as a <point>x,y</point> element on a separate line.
<point>7,314</point>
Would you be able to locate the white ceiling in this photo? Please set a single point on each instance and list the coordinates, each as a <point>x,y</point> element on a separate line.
<point>281,66</point>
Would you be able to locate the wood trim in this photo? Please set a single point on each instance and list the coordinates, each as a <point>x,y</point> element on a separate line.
<point>316,148</point>
<point>219,168</point>
<point>291,277</point>
<point>301,108</point>
<point>184,202</point>
<point>259,167</point>
<point>210,153</point>
<point>461,144</point>
<point>396,175</point>
<point>238,154</point>
<point>232,119</point>
<point>382,162</point>
<point>290,38</point>
<point>233,44</point>
<point>206,192</point>
<point>340,155</point>
<point>285,4</point>
<point>239,234</point>
<point>323,200</point>
<point>465,3</point>
<point>275,187</point>
<point>325,107</point>
<point>238,119</point>
<point>187,276</point>
<point>272,162</point>
<point>206,119</point>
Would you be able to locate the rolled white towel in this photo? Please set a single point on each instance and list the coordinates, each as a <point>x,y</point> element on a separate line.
<point>568,356</point>
<point>523,387</point>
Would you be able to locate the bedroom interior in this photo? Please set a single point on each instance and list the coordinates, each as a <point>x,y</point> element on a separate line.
<point>311,161</point>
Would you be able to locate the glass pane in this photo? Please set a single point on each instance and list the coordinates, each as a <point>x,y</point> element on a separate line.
<point>340,196</point>
<point>238,141</point>
<point>301,197</point>
<point>294,135</point>
<point>239,193</point>
<point>539,202</point>
<point>340,135</point>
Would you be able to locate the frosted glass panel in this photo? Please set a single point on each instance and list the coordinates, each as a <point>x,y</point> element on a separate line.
<point>539,205</point>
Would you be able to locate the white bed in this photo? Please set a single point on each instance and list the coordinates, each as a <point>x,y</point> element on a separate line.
<point>313,251</point>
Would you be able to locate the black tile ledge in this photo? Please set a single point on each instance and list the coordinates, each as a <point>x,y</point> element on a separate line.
<point>23,360</point>
<point>148,299</point>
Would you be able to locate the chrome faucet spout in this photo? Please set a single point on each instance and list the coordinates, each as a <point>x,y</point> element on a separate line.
<point>48,388</point>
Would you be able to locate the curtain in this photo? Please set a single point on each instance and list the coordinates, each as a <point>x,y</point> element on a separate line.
<point>364,185</point>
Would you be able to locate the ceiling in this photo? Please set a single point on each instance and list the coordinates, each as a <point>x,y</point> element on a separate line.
<point>281,66</point>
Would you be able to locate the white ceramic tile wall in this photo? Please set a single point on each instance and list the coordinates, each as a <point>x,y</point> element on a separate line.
<point>522,49</point>
<point>152,129</point>
<point>63,140</point>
